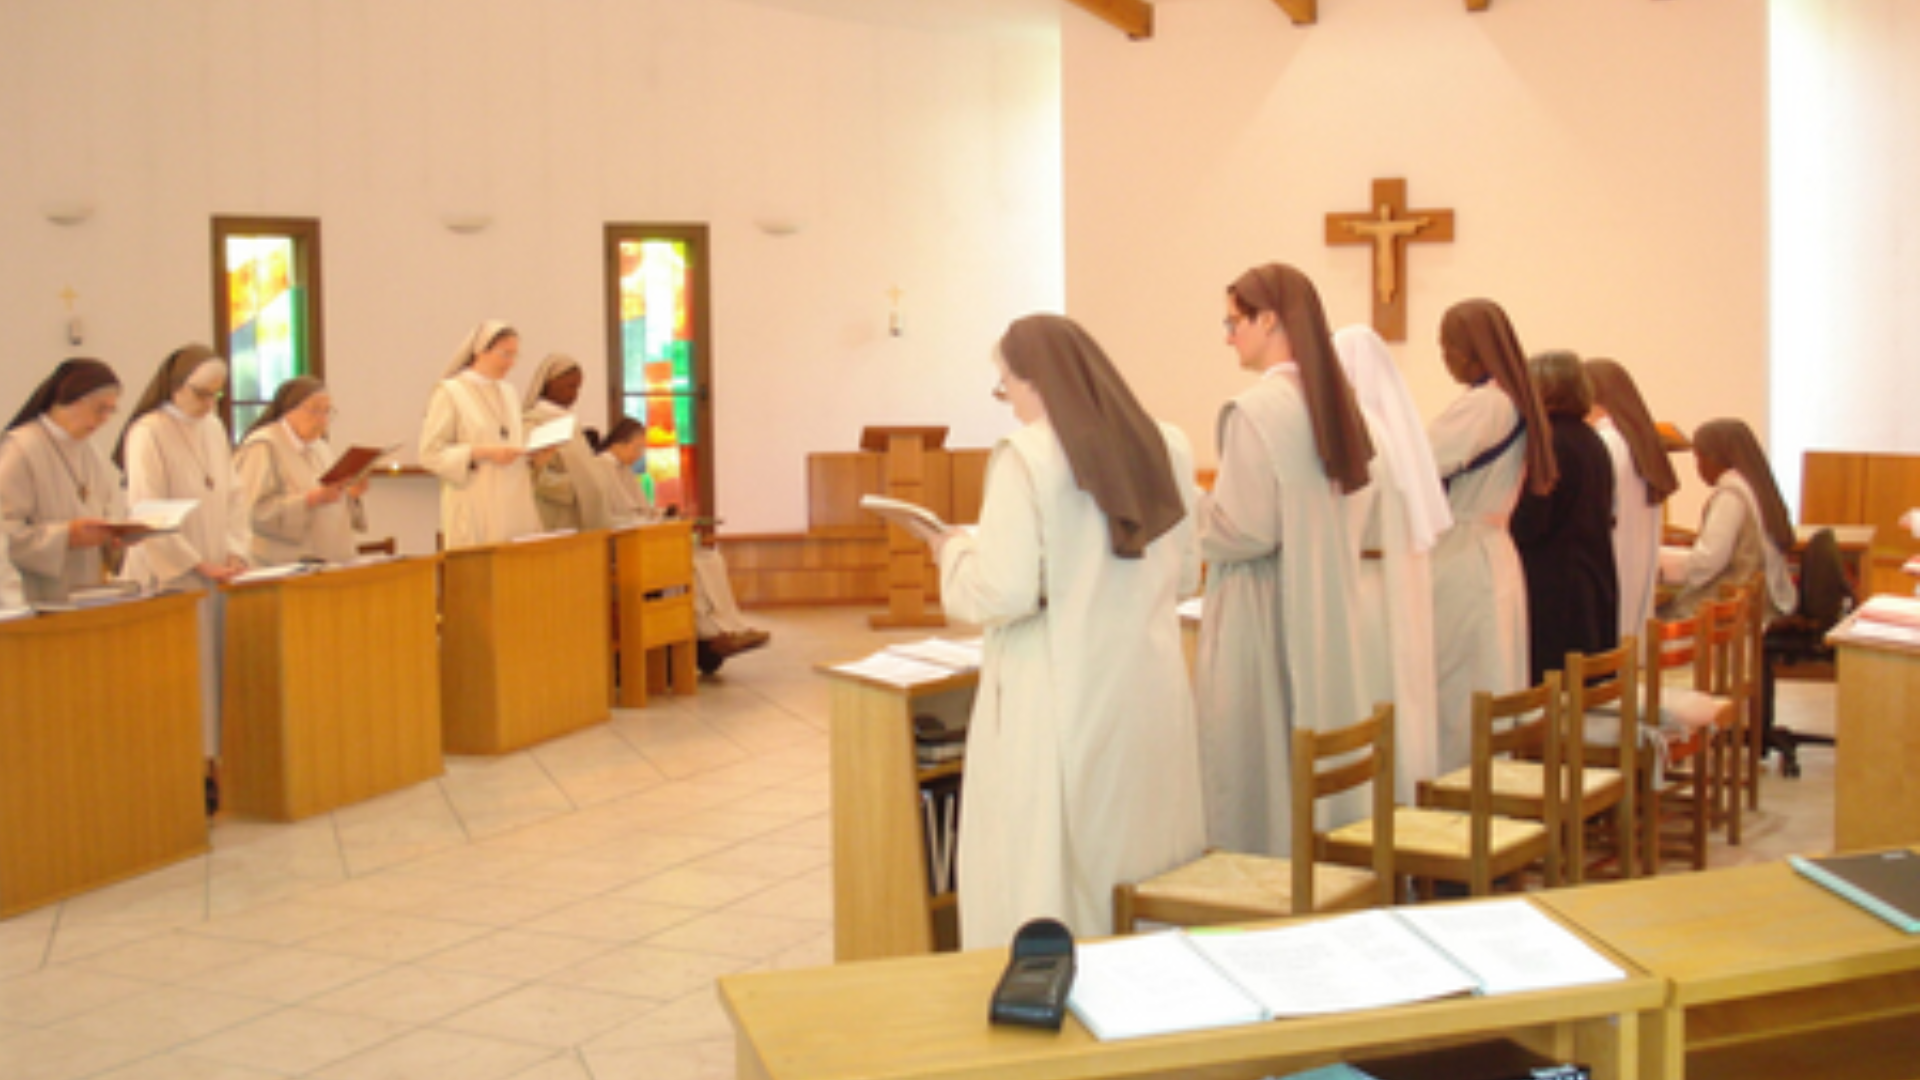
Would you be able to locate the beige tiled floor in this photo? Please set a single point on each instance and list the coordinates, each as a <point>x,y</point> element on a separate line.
<point>557,914</point>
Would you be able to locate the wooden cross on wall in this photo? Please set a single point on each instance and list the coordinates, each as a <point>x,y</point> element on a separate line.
<point>1388,225</point>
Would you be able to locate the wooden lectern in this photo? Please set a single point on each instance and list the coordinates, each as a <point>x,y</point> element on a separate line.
<point>907,565</point>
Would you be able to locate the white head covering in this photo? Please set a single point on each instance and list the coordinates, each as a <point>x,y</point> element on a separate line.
<point>1381,391</point>
<point>472,347</point>
<point>554,366</point>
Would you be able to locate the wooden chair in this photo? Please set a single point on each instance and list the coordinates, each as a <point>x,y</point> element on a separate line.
<point>1686,771</point>
<point>660,584</point>
<point>1526,753</point>
<point>1477,846</point>
<point>1226,887</point>
<point>1726,640</point>
<point>1751,662</point>
<point>1603,691</point>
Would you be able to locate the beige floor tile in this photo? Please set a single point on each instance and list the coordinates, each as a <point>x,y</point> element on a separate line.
<point>72,943</point>
<point>809,896</point>
<point>517,954</point>
<point>711,1059</point>
<point>766,859</point>
<point>494,905</point>
<point>182,1066</point>
<point>394,939</point>
<point>651,972</point>
<point>566,1066</point>
<point>388,891</point>
<point>731,934</point>
<point>296,1041</point>
<point>54,994</point>
<point>686,886</point>
<point>414,994</point>
<point>548,1015</point>
<point>430,1054</point>
<point>165,1017</point>
<point>173,957</point>
<point>612,919</point>
<point>59,1055</point>
<point>692,1018</point>
<point>285,922</point>
<point>289,976</point>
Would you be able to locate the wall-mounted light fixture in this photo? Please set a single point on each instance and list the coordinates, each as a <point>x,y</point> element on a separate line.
<point>471,221</point>
<point>66,211</point>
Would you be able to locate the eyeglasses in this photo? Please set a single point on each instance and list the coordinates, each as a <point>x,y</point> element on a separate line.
<point>1232,323</point>
<point>205,394</point>
<point>1000,390</point>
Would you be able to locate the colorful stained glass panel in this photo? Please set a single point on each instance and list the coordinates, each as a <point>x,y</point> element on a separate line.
<point>658,363</point>
<point>266,309</point>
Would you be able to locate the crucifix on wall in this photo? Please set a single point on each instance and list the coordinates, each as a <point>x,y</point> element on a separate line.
<point>1389,226</point>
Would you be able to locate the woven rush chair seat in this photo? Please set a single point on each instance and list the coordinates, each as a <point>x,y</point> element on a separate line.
<point>1433,843</point>
<point>1243,887</point>
<point>1525,781</point>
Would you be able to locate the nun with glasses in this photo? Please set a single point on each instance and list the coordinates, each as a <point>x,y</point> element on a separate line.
<point>56,492</point>
<point>473,440</point>
<point>1082,760</point>
<point>292,515</point>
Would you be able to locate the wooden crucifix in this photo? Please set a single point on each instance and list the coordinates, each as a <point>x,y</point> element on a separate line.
<point>1388,225</point>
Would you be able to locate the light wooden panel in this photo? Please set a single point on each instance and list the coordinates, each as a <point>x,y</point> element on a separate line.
<point>525,642</point>
<point>1838,488</point>
<point>1876,754</point>
<point>654,632</point>
<point>100,748</point>
<point>332,689</point>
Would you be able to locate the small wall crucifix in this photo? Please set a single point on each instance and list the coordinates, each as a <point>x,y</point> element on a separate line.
<point>1389,226</point>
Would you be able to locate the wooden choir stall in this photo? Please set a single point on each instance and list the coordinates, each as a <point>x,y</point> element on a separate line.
<point>332,688</point>
<point>523,642</point>
<point>653,621</point>
<point>101,761</point>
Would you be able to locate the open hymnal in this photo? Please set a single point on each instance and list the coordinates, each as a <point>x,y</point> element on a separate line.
<point>1886,883</point>
<point>154,516</point>
<point>273,573</point>
<point>902,513</point>
<point>953,655</point>
<point>355,464</point>
<point>554,432</point>
<point>896,670</point>
<point>1190,980</point>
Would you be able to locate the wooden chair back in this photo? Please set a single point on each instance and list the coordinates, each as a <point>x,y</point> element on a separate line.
<point>1526,723</point>
<point>1727,672</point>
<point>1682,644</point>
<point>1364,752</point>
<point>1605,679</point>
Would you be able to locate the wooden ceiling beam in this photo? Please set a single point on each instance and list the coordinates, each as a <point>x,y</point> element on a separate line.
<point>1132,17</point>
<point>1302,12</point>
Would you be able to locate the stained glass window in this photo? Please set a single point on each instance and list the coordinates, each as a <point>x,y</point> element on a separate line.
<point>659,370</point>
<point>264,309</point>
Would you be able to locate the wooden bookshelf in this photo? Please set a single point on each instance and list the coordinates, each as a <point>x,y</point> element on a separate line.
<point>882,905</point>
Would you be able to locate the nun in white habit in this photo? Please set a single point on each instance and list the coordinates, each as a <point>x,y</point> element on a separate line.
<point>56,493</point>
<point>1489,442</point>
<point>473,441</point>
<point>570,489</point>
<point>1643,478</point>
<point>1082,765</point>
<point>175,447</point>
<point>291,514</point>
<point>1279,641</point>
<point>1397,520</point>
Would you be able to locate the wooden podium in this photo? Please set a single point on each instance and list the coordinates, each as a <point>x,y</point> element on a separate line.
<point>523,642</point>
<point>907,563</point>
<point>332,688</point>
<point>100,755</point>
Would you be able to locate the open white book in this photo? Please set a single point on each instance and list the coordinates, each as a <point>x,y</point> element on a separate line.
<point>554,432</point>
<point>1192,980</point>
<point>944,652</point>
<point>902,513</point>
<point>154,516</point>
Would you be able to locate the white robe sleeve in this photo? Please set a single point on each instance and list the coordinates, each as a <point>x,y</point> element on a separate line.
<point>1181,454</point>
<point>273,509</point>
<point>35,544</point>
<point>1240,519</point>
<point>994,576</point>
<point>171,556</point>
<point>440,455</point>
<point>1471,425</point>
<point>1719,535</point>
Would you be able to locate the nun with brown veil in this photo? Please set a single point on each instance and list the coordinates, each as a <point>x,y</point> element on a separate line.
<point>1279,644</point>
<point>1744,527</point>
<point>292,515</point>
<point>56,492</point>
<point>1082,764</point>
<point>1643,479</point>
<point>1488,444</point>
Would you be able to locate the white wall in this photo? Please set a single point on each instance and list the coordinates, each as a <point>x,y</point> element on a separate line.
<point>1846,260</point>
<point>916,152</point>
<point>1605,159</point>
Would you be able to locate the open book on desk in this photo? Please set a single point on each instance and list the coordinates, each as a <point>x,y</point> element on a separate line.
<point>942,652</point>
<point>1157,984</point>
<point>355,464</point>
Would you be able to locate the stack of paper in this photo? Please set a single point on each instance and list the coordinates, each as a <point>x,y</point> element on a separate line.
<point>952,655</point>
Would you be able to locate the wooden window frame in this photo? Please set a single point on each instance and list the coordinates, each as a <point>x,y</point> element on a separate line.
<point>306,237</point>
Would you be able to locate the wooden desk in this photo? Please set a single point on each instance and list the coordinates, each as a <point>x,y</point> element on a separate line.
<point>332,688</point>
<point>523,642</point>
<point>881,901</point>
<point>1764,967</point>
<point>100,752</point>
<point>927,1017</point>
<point>1876,753</point>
